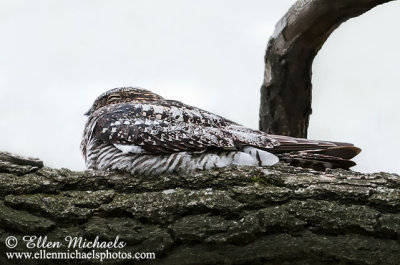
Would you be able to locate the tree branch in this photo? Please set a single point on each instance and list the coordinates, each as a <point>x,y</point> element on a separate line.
<point>286,92</point>
<point>244,215</point>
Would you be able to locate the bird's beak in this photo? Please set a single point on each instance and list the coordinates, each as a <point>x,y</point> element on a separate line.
<point>88,112</point>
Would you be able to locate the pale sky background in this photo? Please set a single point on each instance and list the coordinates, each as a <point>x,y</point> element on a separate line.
<point>56,57</point>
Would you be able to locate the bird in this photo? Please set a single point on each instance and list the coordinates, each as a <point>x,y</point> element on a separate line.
<point>133,130</point>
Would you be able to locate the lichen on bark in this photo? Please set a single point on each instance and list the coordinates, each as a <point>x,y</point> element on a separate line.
<point>236,215</point>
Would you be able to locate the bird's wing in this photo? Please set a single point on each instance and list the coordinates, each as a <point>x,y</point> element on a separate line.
<point>314,154</point>
<point>329,148</point>
<point>171,126</point>
<point>164,127</point>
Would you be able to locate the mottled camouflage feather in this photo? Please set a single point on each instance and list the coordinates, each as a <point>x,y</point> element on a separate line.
<point>133,126</point>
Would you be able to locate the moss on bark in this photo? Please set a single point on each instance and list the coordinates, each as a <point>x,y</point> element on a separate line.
<point>237,215</point>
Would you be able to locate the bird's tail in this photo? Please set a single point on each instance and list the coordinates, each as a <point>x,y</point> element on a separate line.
<point>301,152</point>
<point>318,155</point>
<point>335,157</point>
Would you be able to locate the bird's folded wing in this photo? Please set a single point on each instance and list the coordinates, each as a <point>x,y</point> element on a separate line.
<point>335,149</point>
<point>156,134</point>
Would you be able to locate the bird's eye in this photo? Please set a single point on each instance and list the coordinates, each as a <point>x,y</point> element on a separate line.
<point>113,98</point>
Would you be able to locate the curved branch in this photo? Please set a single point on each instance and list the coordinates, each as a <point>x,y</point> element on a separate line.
<point>299,35</point>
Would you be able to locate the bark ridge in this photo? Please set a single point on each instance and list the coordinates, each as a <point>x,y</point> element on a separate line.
<point>237,215</point>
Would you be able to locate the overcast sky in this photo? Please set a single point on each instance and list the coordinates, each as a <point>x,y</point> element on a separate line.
<point>56,57</point>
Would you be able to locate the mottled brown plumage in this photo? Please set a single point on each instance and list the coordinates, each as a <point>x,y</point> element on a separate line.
<point>137,131</point>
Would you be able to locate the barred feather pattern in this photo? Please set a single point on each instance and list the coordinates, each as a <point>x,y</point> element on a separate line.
<point>133,130</point>
<point>107,157</point>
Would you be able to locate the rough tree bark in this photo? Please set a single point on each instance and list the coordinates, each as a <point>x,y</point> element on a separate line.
<point>286,92</point>
<point>248,215</point>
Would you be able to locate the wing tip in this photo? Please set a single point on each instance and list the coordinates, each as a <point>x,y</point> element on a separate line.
<point>344,152</point>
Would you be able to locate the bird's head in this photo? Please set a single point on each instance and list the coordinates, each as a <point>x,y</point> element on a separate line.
<point>123,94</point>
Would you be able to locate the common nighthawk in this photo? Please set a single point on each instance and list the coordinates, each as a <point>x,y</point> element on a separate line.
<point>137,131</point>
